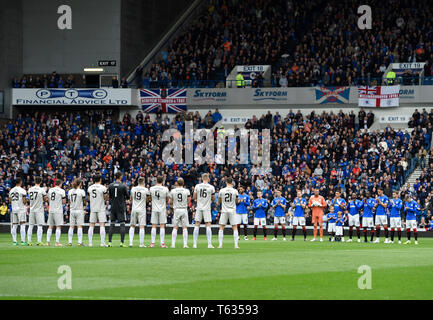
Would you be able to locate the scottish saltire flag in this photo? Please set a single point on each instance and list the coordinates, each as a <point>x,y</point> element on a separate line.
<point>170,100</point>
<point>379,97</point>
<point>332,95</point>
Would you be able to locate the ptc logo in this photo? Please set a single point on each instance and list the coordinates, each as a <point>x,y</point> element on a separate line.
<point>43,94</point>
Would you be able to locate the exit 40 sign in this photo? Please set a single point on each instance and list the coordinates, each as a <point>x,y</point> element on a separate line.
<point>107,63</point>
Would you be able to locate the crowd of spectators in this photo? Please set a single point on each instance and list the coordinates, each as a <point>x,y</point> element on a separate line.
<point>329,151</point>
<point>308,43</point>
<point>54,80</point>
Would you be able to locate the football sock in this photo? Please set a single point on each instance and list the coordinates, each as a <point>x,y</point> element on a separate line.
<point>386,232</point>
<point>80,235</point>
<point>141,235</point>
<point>110,232</point>
<point>283,230</point>
<point>239,227</point>
<point>392,234</point>
<point>377,232</point>
<point>365,234</point>
<point>372,234</point>
<point>255,231</point>
<point>415,234</point>
<point>70,234</point>
<point>399,234</point>
<point>49,232</point>
<point>264,231</point>
<point>39,233</point>
<point>58,233</point>
<point>209,236</point>
<point>220,237</point>
<point>23,232</point>
<point>29,233</point>
<point>293,232</point>
<point>122,232</point>
<point>173,237</point>
<point>102,234</point>
<point>195,235</point>
<point>245,230</point>
<point>304,231</point>
<point>358,232</point>
<point>185,237</point>
<point>131,235</point>
<point>162,235</point>
<point>90,234</point>
<point>275,232</point>
<point>236,237</point>
<point>408,234</point>
<point>350,232</point>
<point>153,235</point>
<point>14,232</point>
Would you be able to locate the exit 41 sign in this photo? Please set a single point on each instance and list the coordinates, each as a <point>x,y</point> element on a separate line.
<point>107,63</point>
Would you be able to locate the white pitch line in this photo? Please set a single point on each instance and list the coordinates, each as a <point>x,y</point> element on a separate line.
<point>75,297</point>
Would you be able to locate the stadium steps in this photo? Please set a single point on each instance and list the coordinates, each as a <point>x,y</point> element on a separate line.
<point>415,174</point>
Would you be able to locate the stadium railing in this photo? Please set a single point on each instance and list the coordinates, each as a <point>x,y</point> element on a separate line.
<point>401,80</point>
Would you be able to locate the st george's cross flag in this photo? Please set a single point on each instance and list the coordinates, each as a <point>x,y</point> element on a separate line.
<point>379,97</point>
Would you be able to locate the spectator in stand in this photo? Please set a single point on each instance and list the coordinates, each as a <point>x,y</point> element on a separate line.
<point>123,83</point>
<point>4,212</point>
<point>115,82</point>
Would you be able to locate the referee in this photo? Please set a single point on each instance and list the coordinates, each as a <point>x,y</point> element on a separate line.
<point>118,193</point>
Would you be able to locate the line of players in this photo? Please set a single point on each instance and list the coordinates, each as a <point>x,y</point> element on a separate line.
<point>374,212</point>
<point>234,211</point>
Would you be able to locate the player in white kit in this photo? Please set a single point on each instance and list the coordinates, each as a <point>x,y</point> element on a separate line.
<point>17,198</point>
<point>160,198</point>
<point>98,195</point>
<point>56,198</point>
<point>139,196</point>
<point>228,198</point>
<point>77,201</point>
<point>37,197</point>
<point>204,194</point>
<point>179,199</point>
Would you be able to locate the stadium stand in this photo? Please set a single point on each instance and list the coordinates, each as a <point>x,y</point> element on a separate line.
<point>290,36</point>
<point>307,44</point>
<point>325,150</point>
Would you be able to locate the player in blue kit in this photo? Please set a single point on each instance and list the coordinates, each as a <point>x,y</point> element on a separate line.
<point>299,205</point>
<point>332,218</point>
<point>242,211</point>
<point>382,202</point>
<point>339,205</point>
<point>260,205</point>
<point>395,205</point>
<point>339,226</point>
<point>411,207</point>
<point>279,204</point>
<point>367,216</point>
<point>355,206</point>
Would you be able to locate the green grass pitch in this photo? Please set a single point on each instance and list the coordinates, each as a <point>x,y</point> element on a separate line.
<point>259,270</point>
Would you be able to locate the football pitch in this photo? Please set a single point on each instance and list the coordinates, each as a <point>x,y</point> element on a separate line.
<point>271,270</point>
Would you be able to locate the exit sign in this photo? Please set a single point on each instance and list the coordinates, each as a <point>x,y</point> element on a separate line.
<point>107,63</point>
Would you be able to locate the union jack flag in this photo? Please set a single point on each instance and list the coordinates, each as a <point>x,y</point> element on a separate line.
<point>170,100</point>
